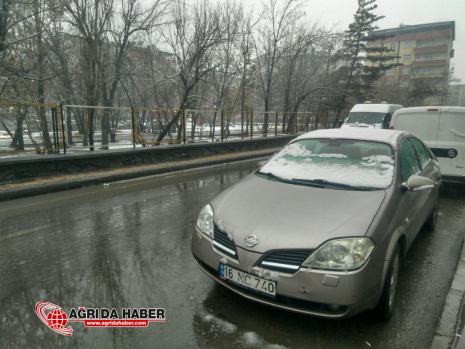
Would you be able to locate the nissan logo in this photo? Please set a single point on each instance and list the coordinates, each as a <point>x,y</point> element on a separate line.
<point>251,241</point>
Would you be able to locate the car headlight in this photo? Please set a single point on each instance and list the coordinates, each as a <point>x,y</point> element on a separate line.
<point>205,220</point>
<point>341,254</point>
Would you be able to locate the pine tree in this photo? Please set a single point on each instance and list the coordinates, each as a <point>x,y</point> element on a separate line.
<point>358,76</point>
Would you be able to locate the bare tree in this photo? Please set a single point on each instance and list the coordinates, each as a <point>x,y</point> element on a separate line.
<point>131,18</point>
<point>245,67</point>
<point>270,44</point>
<point>23,68</point>
<point>90,20</point>
<point>194,36</point>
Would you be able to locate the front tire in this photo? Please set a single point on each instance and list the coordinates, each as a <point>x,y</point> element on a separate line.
<point>386,303</point>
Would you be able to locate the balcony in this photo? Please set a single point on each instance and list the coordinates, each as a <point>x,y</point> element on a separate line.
<point>427,76</point>
<point>421,62</point>
<point>440,48</point>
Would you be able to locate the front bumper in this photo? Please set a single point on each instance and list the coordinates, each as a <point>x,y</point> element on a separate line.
<point>314,292</point>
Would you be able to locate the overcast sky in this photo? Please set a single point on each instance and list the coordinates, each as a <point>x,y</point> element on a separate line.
<point>408,12</point>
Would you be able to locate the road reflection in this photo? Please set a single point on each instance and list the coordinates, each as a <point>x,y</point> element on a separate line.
<point>129,250</point>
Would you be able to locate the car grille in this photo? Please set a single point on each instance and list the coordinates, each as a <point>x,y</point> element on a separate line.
<point>285,261</point>
<point>222,242</point>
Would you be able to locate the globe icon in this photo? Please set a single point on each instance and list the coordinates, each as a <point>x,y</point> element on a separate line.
<point>57,319</point>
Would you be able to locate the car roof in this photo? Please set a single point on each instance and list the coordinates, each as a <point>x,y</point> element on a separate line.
<point>442,109</point>
<point>375,135</point>
<point>374,107</point>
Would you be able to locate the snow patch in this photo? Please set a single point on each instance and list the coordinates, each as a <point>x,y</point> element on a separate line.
<point>220,225</point>
<point>219,324</point>
<point>254,340</point>
<point>267,274</point>
<point>424,187</point>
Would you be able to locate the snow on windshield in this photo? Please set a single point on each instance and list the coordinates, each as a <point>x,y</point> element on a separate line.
<point>359,164</point>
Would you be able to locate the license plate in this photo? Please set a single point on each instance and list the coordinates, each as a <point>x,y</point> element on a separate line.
<point>247,280</point>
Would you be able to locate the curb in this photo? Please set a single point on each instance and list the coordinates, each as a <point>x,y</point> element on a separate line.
<point>448,332</point>
<point>55,183</point>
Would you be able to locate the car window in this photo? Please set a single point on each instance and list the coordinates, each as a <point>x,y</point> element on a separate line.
<point>408,160</point>
<point>368,118</point>
<point>423,154</point>
<point>362,164</point>
<point>387,120</point>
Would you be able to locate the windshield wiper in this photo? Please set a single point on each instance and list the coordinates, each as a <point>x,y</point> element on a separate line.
<point>271,175</point>
<point>290,181</point>
<point>324,182</point>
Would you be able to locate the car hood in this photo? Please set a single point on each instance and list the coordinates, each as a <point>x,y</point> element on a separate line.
<point>287,216</point>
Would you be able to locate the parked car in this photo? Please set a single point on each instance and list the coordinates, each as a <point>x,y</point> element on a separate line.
<point>368,115</point>
<point>321,227</point>
<point>443,130</point>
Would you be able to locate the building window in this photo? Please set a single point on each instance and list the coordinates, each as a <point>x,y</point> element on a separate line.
<point>405,70</point>
<point>392,46</point>
<point>390,72</point>
<point>406,58</point>
<point>408,44</point>
<point>404,84</point>
<point>428,56</point>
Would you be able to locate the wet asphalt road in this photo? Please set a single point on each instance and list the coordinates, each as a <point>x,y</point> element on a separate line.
<point>128,246</point>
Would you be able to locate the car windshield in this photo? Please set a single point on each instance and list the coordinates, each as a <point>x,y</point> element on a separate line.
<point>349,163</point>
<point>369,118</point>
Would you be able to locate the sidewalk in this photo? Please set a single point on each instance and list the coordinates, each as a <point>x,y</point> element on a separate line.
<point>450,332</point>
<point>59,182</point>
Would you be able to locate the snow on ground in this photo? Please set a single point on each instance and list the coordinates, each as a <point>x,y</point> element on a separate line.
<point>247,339</point>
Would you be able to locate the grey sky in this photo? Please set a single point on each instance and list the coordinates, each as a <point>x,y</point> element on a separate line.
<point>408,12</point>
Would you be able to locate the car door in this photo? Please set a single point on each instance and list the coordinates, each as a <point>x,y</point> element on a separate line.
<point>430,169</point>
<point>413,202</point>
<point>428,165</point>
<point>450,148</point>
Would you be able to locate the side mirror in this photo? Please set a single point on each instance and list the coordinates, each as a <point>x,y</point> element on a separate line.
<point>261,163</point>
<point>418,183</point>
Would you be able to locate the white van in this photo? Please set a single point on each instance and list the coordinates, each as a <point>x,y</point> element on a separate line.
<point>443,130</point>
<point>370,115</point>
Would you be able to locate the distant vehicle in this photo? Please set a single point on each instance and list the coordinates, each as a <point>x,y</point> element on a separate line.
<point>370,115</point>
<point>443,131</point>
<point>322,226</point>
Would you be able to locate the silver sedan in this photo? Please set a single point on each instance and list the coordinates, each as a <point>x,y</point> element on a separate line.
<point>321,227</point>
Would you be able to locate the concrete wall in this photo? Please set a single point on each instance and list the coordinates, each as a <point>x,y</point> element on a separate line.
<point>13,169</point>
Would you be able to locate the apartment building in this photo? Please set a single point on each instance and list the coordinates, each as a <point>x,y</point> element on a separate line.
<point>423,51</point>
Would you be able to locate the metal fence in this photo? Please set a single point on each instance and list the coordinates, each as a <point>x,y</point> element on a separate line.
<point>51,128</point>
<point>31,128</point>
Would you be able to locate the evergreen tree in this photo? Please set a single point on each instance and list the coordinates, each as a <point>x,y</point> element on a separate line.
<point>363,65</point>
